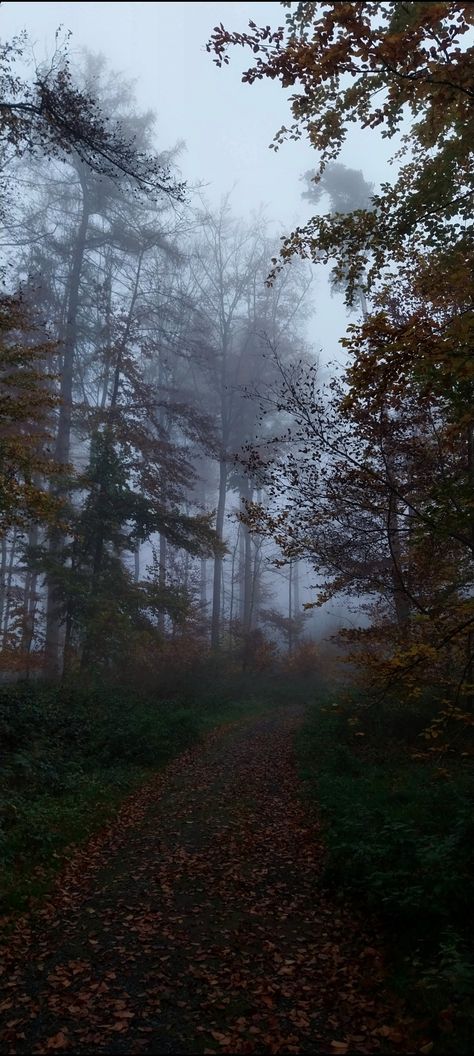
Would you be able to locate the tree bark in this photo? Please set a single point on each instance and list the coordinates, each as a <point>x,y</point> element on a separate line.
<point>55,603</point>
<point>8,588</point>
<point>162,581</point>
<point>3,573</point>
<point>290,609</point>
<point>218,560</point>
<point>203,584</point>
<point>401,599</point>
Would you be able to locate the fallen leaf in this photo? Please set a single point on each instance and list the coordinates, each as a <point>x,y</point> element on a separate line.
<point>58,1041</point>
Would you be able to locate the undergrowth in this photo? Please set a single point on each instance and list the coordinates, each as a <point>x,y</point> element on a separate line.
<point>70,754</point>
<point>399,833</point>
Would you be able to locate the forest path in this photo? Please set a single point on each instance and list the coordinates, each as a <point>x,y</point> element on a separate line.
<point>196,924</point>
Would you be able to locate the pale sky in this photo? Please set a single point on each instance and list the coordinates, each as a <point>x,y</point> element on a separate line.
<point>226,125</point>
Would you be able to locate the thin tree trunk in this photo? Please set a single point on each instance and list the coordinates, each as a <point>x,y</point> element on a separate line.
<point>68,628</point>
<point>218,560</point>
<point>296,589</point>
<point>255,592</point>
<point>3,573</point>
<point>241,575</point>
<point>247,581</point>
<point>203,584</point>
<point>186,571</point>
<point>8,588</point>
<point>247,555</point>
<point>469,677</point>
<point>203,567</point>
<point>400,597</point>
<point>29,603</point>
<point>232,584</point>
<point>107,343</point>
<point>162,580</point>
<point>290,609</point>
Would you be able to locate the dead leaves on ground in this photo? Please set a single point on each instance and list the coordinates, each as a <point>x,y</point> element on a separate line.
<point>196,923</point>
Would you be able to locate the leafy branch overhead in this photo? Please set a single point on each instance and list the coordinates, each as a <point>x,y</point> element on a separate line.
<point>54,115</point>
<point>371,64</point>
<point>374,480</point>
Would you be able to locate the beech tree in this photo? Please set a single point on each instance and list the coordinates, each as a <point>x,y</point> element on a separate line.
<point>398,436</point>
<point>27,467</point>
<point>52,115</point>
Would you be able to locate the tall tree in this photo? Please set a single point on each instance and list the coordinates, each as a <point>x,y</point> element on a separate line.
<point>407,404</point>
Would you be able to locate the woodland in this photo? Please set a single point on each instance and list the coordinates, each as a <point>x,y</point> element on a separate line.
<point>222,830</point>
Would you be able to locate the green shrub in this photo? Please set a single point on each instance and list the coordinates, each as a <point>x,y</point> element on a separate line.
<point>400,835</point>
<point>70,753</point>
<point>144,734</point>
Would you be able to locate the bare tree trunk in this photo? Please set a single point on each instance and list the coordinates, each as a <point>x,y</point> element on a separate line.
<point>290,609</point>
<point>218,560</point>
<point>296,589</point>
<point>363,304</point>
<point>241,575</point>
<point>247,581</point>
<point>3,574</point>
<point>8,588</point>
<point>107,341</point>
<point>136,556</point>
<point>29,603</point>
<point>55,605</point>
<point>401,599</point>
<point>247,556</point>
<point>469,676</point>
<point>203,584</point>
<point>255,591</point>
<point>186,571</point>
<point>232,584</point>
<point>162,581</point>
<point>203,567</point>
<point>222,597</point>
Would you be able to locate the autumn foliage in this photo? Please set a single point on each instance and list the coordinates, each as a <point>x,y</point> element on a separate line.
<point>378,484</point>
<point>203,916</point>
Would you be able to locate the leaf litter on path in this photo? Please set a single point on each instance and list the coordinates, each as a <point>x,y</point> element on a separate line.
<point>196,923</point>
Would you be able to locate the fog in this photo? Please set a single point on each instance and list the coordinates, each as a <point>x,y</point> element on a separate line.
<point>236,527</point>
<point>225,128</point>
<point>217,132</point>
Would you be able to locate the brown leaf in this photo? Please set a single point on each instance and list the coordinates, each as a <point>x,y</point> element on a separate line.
<point>58,1041</point>
<point>267,1000</point>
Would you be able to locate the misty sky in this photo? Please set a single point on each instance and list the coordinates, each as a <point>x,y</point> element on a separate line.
<point>226,126</point>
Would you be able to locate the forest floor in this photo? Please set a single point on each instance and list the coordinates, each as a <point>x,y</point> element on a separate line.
<point>196,923</point>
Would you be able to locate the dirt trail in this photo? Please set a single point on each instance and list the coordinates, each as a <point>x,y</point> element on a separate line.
<point>196,924</point>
